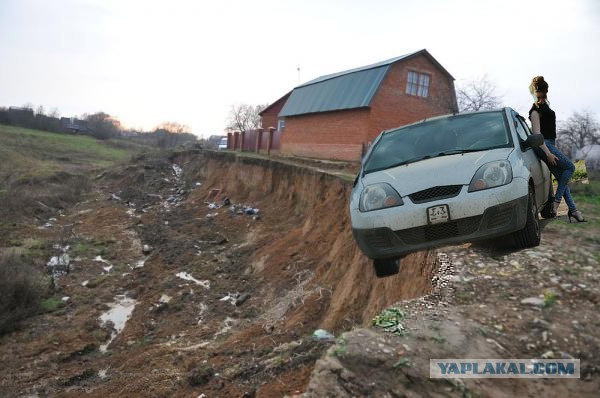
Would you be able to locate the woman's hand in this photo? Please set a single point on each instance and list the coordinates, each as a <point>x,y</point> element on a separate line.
<point>552,159</point>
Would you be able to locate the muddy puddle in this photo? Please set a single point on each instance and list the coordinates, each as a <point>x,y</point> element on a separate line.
<point>119,313</point>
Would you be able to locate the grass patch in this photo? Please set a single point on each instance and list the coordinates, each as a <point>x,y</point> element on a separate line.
<point>580,172</point>
<point>549,299</point>
<point>51,304</point>
<point>90,248</point>
<point>403,363</point>
<point>35,153</point>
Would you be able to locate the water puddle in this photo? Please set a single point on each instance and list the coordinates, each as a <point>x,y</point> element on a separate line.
<point>102,373</point>
<point>118,314</point>
<point>184,275</point>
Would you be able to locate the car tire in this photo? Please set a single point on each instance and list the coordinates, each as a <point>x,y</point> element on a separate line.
<point>546,211</point>
<point>530,235</point>
<point>386,267</point>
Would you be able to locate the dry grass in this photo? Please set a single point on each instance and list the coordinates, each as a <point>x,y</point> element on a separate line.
<point>42,196</point>
<point>22,286</point>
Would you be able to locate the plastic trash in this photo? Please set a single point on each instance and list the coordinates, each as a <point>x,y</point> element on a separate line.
<point>241,299</point>
<point>323,335</point>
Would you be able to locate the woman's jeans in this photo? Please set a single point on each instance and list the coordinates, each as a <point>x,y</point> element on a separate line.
<point>562,171</point>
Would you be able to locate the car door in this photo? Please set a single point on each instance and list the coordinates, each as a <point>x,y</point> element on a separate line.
<point>537,168</point>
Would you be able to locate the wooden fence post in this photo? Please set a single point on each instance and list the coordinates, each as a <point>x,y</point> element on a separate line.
<point>259,139</point>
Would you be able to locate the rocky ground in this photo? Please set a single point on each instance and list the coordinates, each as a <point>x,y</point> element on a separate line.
<point>207,275</point>
<point>489,301</point>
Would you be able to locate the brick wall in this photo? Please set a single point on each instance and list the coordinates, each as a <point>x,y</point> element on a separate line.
<point>329,135</point>
<point>392,107</point>
<point>268,117</point>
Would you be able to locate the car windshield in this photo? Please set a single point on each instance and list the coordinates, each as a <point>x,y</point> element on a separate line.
<point>439,137</point>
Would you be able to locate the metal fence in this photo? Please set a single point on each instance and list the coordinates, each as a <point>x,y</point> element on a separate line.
<point>259,140</point>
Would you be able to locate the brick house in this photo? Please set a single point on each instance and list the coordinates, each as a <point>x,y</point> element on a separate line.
<point>269,115</point>
<point>337,116</point>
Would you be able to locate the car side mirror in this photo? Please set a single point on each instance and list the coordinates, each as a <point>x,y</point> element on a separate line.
<point>533,141</point>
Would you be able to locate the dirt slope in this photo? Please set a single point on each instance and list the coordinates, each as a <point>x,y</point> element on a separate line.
<point>221,302</point>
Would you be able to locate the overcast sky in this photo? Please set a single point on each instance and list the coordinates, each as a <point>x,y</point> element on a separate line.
<point>146,62</point>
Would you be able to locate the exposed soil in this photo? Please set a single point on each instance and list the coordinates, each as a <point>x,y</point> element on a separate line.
<point>147,235</point>
<point>226,298</point>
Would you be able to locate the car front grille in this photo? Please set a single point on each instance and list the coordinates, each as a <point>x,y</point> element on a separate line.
<point>450,229</point>
<point>435,193</point>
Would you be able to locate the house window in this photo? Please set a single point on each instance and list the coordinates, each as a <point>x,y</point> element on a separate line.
<point>281,125</point>
<point>417,84</point>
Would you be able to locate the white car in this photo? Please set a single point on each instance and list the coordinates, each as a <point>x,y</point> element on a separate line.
<point>449,179</point>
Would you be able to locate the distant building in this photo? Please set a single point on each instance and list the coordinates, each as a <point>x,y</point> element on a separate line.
<point>74,125</point>
<point>338,115</point>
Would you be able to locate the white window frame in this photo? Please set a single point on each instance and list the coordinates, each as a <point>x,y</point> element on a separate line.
<point>418,83</point>
<point>281,125</point>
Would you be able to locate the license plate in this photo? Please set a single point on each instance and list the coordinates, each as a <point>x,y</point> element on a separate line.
<point>438,214</point>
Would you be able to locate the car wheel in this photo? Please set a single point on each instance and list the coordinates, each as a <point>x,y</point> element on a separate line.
<point>530,235</point>
<point>386,267</point>
<point>546,211</point>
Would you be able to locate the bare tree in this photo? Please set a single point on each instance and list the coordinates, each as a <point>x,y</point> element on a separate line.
<point>579,130</point>
<point>172,134</point>
<point>173,128</point>
<point>245,117</point>
<point>477,95</point>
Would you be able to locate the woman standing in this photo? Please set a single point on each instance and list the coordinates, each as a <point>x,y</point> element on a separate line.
<point>543,120</point>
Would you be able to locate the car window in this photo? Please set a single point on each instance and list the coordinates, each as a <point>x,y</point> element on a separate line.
<point>437,137</point>
<point>522,131</point>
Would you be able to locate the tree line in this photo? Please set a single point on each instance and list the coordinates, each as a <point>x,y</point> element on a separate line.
<point>99,125</point>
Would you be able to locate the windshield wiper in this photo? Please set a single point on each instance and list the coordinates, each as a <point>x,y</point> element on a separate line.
<point>455,151</point>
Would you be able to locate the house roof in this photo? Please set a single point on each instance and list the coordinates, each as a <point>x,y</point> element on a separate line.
<point>354,88</point>
<point>274,104</point>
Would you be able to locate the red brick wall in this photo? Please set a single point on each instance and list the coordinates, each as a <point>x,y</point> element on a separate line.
<point>392,107</point>
<point>329,135</point>
<point>269,116</point>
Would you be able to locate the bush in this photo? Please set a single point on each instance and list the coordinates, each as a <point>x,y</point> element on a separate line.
<point>21,289</point>
<point>580,171</point>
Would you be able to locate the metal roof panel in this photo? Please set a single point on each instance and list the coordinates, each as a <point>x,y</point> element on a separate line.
<point>345,91</point>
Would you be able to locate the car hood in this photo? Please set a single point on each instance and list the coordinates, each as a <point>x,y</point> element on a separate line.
<point>455,169</point>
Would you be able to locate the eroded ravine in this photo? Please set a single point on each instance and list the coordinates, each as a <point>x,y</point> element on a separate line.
<point>225,300</point>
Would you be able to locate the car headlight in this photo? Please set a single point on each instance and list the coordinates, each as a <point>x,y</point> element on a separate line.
<point>379,196</point>
<point>491,175</point>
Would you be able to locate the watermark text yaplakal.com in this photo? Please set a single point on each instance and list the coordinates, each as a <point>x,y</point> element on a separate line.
<point>504,368</point>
